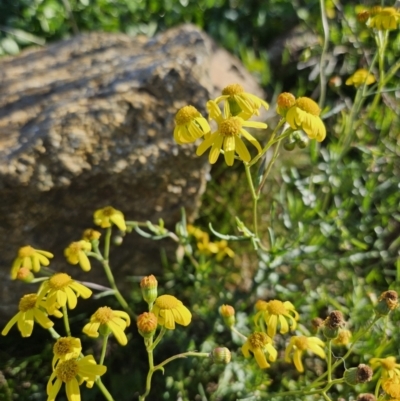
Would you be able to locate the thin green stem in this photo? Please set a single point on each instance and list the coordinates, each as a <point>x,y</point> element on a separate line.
<point>310,392</point>
<point>329,361</point>
<point>322,77</point>
<point>270,164</point>
<point>234,330</point>
<point>107,242</point>
<point>104,390</point>
<point>66,321</point>
<point>254,197</point>
<point>158,339</point>
<point>104,349</point>
<point>183,355</point>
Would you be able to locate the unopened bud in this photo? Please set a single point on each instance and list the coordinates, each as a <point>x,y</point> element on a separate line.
<point>221,355</point>
<point>387,302</point>
<point>25,275</point>
<point>118,240</point>
<point>91,235</point>
<point>228,314</point>
<point>343,337</point>
<point>284,102</point>
<point>149,286</point>
<point>361,374</point>
<point>147,324</point>
<point>316,324</point>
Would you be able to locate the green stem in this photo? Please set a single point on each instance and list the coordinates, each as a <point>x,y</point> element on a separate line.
<point>322,77</point>
<point>254,197</point>
<point>106,266</point>
<point>311,392</point>
<point>66,321</point>
<point>104,390</point>
<point>234,330</point>
<point>53,333</point>
<point>329,361</point>
<point>158,339</point>
<point>104,349</point>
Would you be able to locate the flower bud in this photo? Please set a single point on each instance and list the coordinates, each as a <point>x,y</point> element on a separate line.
<point>147,324</point>
<point>284,102</point>
<point>343,337</point>
<point>221,355</point>
<point>361,374</point>
<point>118,240</point>
<point>228,314</point>
<point>387,302</point>
<point>332,324</point>
<point>25,275</point>
<point>91,235</point>
<point>289,145</point>
<point>149,286</point>
<point>316,324</point>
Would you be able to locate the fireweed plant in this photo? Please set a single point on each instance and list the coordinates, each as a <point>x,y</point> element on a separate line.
<point>278,334</point>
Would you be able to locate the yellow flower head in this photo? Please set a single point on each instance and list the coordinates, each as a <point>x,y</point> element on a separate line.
<point>392,386</point>
<point>107,216</point>
<point>73,372</point>
<point>169,310</point>
<point>260,345</point>
<point>60,288</point>
<point>343,337</point>
<point>30,310</point>
<point>304,114</point>
<point>363,16</point>
<point>385,19</point>
<point>66,348</point>
<point>147,324</point>
<point>277,315</point>
<point>228,314</point>
<point>239,103</point>
<point>361,77</point>
<point>389,366</point>
<point>299,344</point>
<point>228,137</point>
<point>31,259</point>
<point>76,253</point>
<point>91,235</point>
<point>189,125</point>
<point>196,232</point>
<point>114,320</point>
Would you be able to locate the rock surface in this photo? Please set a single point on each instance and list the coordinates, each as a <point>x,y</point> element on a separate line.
<point>88,122</point>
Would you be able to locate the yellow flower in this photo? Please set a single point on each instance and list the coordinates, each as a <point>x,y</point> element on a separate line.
<point>228,136</point>
<point>277,315</point>
<point>196,232</point>
<point>360,77</point>
<point>73,372</point>
<point>115,320</point>
<point>304,114</point>
<point>66,348</point>
<point>239,103</point>
<point>343,337</point>
<point>107,216</point>
<point>260,344</point>
<point>299,344</point>
<point>169,310</point>
<point>76,253</point>
<point>91,235</point>
<point>385,19</point>
<point>392,386</point>
<point>189,125</point>
<point>29,311</point>
<point>60,288</point>
<point>30,258</point>
<point>389,366</point>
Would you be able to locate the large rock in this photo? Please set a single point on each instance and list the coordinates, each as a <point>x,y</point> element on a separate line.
<point>88,122</point>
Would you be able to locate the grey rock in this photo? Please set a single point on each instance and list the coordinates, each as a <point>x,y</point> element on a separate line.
<point>88,122</point>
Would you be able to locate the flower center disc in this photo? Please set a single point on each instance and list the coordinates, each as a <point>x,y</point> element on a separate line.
<point>234,89</point>
<point>167,302</point>
<point>104,314</point>
<point>185,115</point>
<point>230,127</point>
<point>27,302</point>
<point>258,340</point>
<point>301,343</point>
<point>63,346</point>
<point>308,105</point>
<point>276,308</point>
<point>26,252</point>
<point>67,370</point>
<point>59,281</point>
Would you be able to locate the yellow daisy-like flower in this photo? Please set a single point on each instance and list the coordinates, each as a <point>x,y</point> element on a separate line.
<point>304,114</point>
<point>169,310</point>
<point>29,311</point>
<point>277,315</point>
<point>76,253</point>
<point>299,344</point>
<point>239,103</point>
<point>189,125</point>
<point>31,259</point>
<point>385,19</point>
<point>107,216</point>
<point>196,232</point>
<point>361,77</point>
<point>228,137</point>
<point>392,386</point>
<point>259,344</point>
<point>389,366</point>
<point>73,372</point>
<point>115,320</point>
<point>60,288</point>
<point>66,348</point>
<point>91,235</point>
